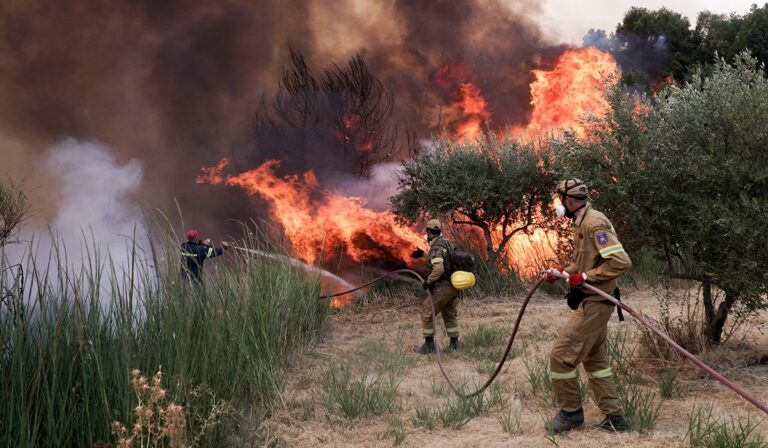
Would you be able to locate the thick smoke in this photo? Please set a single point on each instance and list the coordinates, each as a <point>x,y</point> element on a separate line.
<point>178,84</point>
<point>97,221</point>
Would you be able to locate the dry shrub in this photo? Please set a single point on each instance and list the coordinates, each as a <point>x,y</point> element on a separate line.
<point>681,316</point>
<point>158,422</point>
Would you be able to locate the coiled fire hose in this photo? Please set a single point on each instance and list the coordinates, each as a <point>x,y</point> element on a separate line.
<point>639,317</point>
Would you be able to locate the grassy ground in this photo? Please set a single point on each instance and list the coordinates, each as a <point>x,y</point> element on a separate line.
<point>362,386</point>
<point>69,347</point>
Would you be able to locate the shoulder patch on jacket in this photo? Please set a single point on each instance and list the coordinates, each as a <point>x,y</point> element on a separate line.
<point>601,237</point>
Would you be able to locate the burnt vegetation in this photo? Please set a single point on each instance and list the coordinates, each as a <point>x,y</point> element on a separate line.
<point>339,118</point>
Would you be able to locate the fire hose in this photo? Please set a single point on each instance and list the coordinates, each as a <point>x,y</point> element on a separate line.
<point>638,316</point>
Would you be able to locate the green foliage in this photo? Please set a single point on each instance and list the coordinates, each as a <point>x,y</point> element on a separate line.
<point>488,184</point>
<point>66,359</point>
<point>361,396</point>
<point>641,406</point>
<point>652,45</point>
<point>706,430</point>
<point>656,42</point>
<point>425,418</point>
<point>395,430</point>
<point>688,179</point>
<point>668,382</point>
<point>460,411</point>
<point>537,374</point>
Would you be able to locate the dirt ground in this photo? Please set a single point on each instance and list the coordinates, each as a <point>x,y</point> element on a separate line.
<point>360,338</point>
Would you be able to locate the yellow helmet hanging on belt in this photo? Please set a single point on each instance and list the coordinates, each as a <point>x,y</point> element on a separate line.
<point>462,280</point>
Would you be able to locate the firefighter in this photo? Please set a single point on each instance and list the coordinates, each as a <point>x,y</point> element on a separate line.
<point>598,260</point>
<point>444,295</point>
<point>194,253</point>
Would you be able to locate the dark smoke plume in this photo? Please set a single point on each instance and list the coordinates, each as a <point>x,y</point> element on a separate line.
<point>180,84</point>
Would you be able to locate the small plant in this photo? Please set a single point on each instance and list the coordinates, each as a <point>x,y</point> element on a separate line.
<point>396,430</point>
<point>497,395</point>
<point>486,343</point>
<point>668,383</point>
<point>425,418</point>
<point>458,412</point>
<point>537,373</point>
<point>706,430</point>
<point>359,397</point>
<point>641,406</point>
<point>156,419</point>
<point>510,421</point>
<point>438,387</point>
<point>382,360</point>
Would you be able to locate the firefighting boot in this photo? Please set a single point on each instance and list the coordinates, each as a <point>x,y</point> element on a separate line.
<point>454,343</point>
<point>566,421</point>
<point>616,423</point>
<point>428,347</point>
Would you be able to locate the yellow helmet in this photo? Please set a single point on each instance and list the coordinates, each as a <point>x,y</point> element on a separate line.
<point>433,224</point>
<point>462,280</point>
<point>573,187</point>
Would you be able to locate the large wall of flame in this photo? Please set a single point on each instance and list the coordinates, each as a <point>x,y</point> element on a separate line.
<point>175,84</point>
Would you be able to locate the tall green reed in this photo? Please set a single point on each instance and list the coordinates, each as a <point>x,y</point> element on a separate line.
<point>64,366</point>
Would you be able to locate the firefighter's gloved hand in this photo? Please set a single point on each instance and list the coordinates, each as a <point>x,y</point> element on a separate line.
<point>576,280</point>
<point>418,253</point>
<point>225,245</point>
<point>428,287</point>
<point>549,275</point>
<point>208,242</point>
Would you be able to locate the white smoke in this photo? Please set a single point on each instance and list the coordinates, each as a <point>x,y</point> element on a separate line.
<point>377,189</point>
<point>95,196</point>
<point>97,223</point>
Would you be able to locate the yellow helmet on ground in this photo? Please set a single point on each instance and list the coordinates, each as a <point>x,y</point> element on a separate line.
<point>462,280</point>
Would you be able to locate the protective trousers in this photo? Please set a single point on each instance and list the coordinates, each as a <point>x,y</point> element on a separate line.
<point>583,339</point>
<point>444,297</point>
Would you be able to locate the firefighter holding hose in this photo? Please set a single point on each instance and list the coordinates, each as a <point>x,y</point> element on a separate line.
<point>444,295</point>
<point>194,253</point>
<point>598,260</point>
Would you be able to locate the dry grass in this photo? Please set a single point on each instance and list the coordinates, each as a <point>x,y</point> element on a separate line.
<point>429,416</point>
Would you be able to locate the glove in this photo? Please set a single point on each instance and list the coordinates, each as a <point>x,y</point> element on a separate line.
<point>549,277</point>
<point>208,242</point>
<point>225,245</point>
<point>418,253</point>
<point>575,280</point>
<point>428,287</point>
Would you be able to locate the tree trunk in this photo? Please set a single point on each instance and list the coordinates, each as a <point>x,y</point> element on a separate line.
<point>716,320</point>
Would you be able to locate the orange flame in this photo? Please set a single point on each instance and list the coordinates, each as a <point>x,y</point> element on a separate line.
<point>471,106</point>
<point>330,222</point>
<point>563,96</point>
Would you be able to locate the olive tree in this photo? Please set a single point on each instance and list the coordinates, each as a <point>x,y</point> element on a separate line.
<point>498,186</point>
<point>689,178</point>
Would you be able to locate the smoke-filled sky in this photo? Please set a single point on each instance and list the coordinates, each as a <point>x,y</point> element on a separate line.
<point>168,87</point>
<point>569,20</point>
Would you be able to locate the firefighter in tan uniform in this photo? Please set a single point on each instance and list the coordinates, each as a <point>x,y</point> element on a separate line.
<point>444,295</point>
<point>598,260</point>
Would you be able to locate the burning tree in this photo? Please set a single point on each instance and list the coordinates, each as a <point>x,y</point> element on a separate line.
<point>343,114</point>
<point>688,179</point>
<point>498,186</point>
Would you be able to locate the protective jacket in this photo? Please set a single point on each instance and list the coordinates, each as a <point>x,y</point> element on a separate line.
<point>444,295</point>
<point>439,259</point>
<point>597,252</point>
<point>193,255</point>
